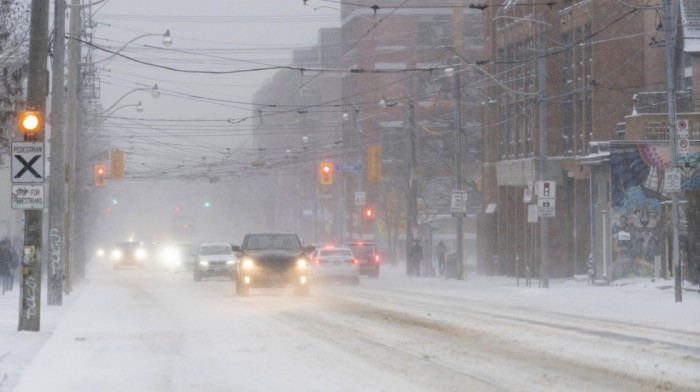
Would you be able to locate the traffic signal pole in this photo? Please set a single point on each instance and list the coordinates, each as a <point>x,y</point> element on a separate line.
<point>37,83</point>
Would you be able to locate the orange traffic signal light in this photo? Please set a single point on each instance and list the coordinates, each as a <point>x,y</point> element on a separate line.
<point>326,173</point>
<point>100,175</point>
<point>29,121</point>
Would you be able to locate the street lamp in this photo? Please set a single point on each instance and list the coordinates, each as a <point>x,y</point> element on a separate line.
<point>155,93</point>
<point>167,42</point>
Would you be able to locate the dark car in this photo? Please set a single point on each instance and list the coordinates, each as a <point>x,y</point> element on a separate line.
<point>366,253</point>
<point>129,254</point>
<point>272,259</point>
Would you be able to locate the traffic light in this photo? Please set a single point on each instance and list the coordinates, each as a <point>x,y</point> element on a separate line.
<point>100,175</point>
<point>29,121</point>
<point>369,214</point>
<point>326,173</point>
<point>207,204</point>
<point>115,201</point>
<point>177,209</point>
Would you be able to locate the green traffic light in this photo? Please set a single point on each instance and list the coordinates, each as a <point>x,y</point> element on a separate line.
<point>114,201</point>
<point>207,204</point>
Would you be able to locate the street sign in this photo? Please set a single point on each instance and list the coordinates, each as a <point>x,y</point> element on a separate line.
<point>547,212</point>
<point>27,162</point>
<point>27,197</point>
<point>360,198</point>
<point>683,147</point>
<point>348,166</point>
<point>546,203</point>
<point>459,202</point>
<point>672,181</point>
<point>527,195</point>
<point>546,189</point>
<point>532,213</point>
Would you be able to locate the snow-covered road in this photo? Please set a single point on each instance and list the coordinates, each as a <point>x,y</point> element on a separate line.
<point>147,330</point>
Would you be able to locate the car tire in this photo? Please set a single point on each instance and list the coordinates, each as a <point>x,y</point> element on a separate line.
<point>355,280</point>
<point>242,289</point>
<point>197,277</point>
<point>115,266</point>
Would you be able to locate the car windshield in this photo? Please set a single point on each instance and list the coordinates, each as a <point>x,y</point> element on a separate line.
<point>362,250</point>
<point>335,253</point>
<point>272,241</point>
<point>215,250</point>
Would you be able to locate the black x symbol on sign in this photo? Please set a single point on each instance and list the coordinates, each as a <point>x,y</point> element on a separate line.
<point>27,166</point>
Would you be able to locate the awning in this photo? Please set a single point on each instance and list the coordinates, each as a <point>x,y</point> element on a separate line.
<point>491,208</point>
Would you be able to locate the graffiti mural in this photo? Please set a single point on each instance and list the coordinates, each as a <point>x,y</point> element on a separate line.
<point>640,209</point>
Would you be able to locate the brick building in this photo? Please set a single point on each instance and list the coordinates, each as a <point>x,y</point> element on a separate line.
<point>592,57</point>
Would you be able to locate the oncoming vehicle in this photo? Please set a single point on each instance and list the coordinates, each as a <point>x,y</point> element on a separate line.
<point>129,254</point>
<point>179,256</point>
<point>366,253</point>
<point>272,259</point>
<point>331,263</point>
<point>215,259</point>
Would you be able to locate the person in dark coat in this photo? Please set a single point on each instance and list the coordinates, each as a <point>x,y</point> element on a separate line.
<point>416,258</point>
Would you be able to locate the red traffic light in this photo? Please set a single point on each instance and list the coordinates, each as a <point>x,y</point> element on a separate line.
<point>326,173</point>
<point>100,175</point>
<point>369,213</point>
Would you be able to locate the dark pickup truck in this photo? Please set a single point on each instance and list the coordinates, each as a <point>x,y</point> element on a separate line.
<point>272,260</point>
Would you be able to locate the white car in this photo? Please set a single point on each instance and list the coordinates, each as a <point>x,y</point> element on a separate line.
<point>215,259</point>
<point>331,263</point>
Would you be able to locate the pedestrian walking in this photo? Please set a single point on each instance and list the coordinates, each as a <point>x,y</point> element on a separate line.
<point>415,258</point>
<point>7,264</point>
<point>440,252</point>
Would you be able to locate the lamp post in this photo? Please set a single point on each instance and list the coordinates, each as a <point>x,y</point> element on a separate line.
<point>72,122</point>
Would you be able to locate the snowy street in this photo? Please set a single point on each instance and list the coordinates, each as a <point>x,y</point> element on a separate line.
<point>148,330</point>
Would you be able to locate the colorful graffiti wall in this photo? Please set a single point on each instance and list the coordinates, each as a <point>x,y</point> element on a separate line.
<point>641,211</point>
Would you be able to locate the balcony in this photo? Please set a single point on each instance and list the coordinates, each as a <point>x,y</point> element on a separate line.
<point>654,126</point>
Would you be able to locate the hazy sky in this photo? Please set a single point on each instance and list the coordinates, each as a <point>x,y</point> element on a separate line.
<point>208,36</point>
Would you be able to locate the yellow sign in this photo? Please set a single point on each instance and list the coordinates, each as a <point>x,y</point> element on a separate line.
<point>374,163</point>
<point>116,160</point>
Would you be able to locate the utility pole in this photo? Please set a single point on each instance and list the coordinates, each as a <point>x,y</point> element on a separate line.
<point>542,114</point>
<point>57,179</point>
<point>669,32</point>
<point>37,83</point>
<point>71,128</point>
<point>458,156</point>
<point>412,164</point>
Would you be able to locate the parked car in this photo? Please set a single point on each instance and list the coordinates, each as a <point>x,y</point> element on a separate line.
<point>331,263</point>
<point>215,259</point>
<point>366,253</point>
<point>129,254</point>
<point>272,259</point>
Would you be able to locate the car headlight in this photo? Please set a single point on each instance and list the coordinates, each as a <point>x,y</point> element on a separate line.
<point>140,253</point>
<point>231,262</point>
<point>248,263</point>
<point>204,263</point>
<point>117,254</point>
<point>302,263</point>
<point>100,252</point>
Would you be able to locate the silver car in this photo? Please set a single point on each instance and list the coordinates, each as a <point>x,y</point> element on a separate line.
<point>215,259</point>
